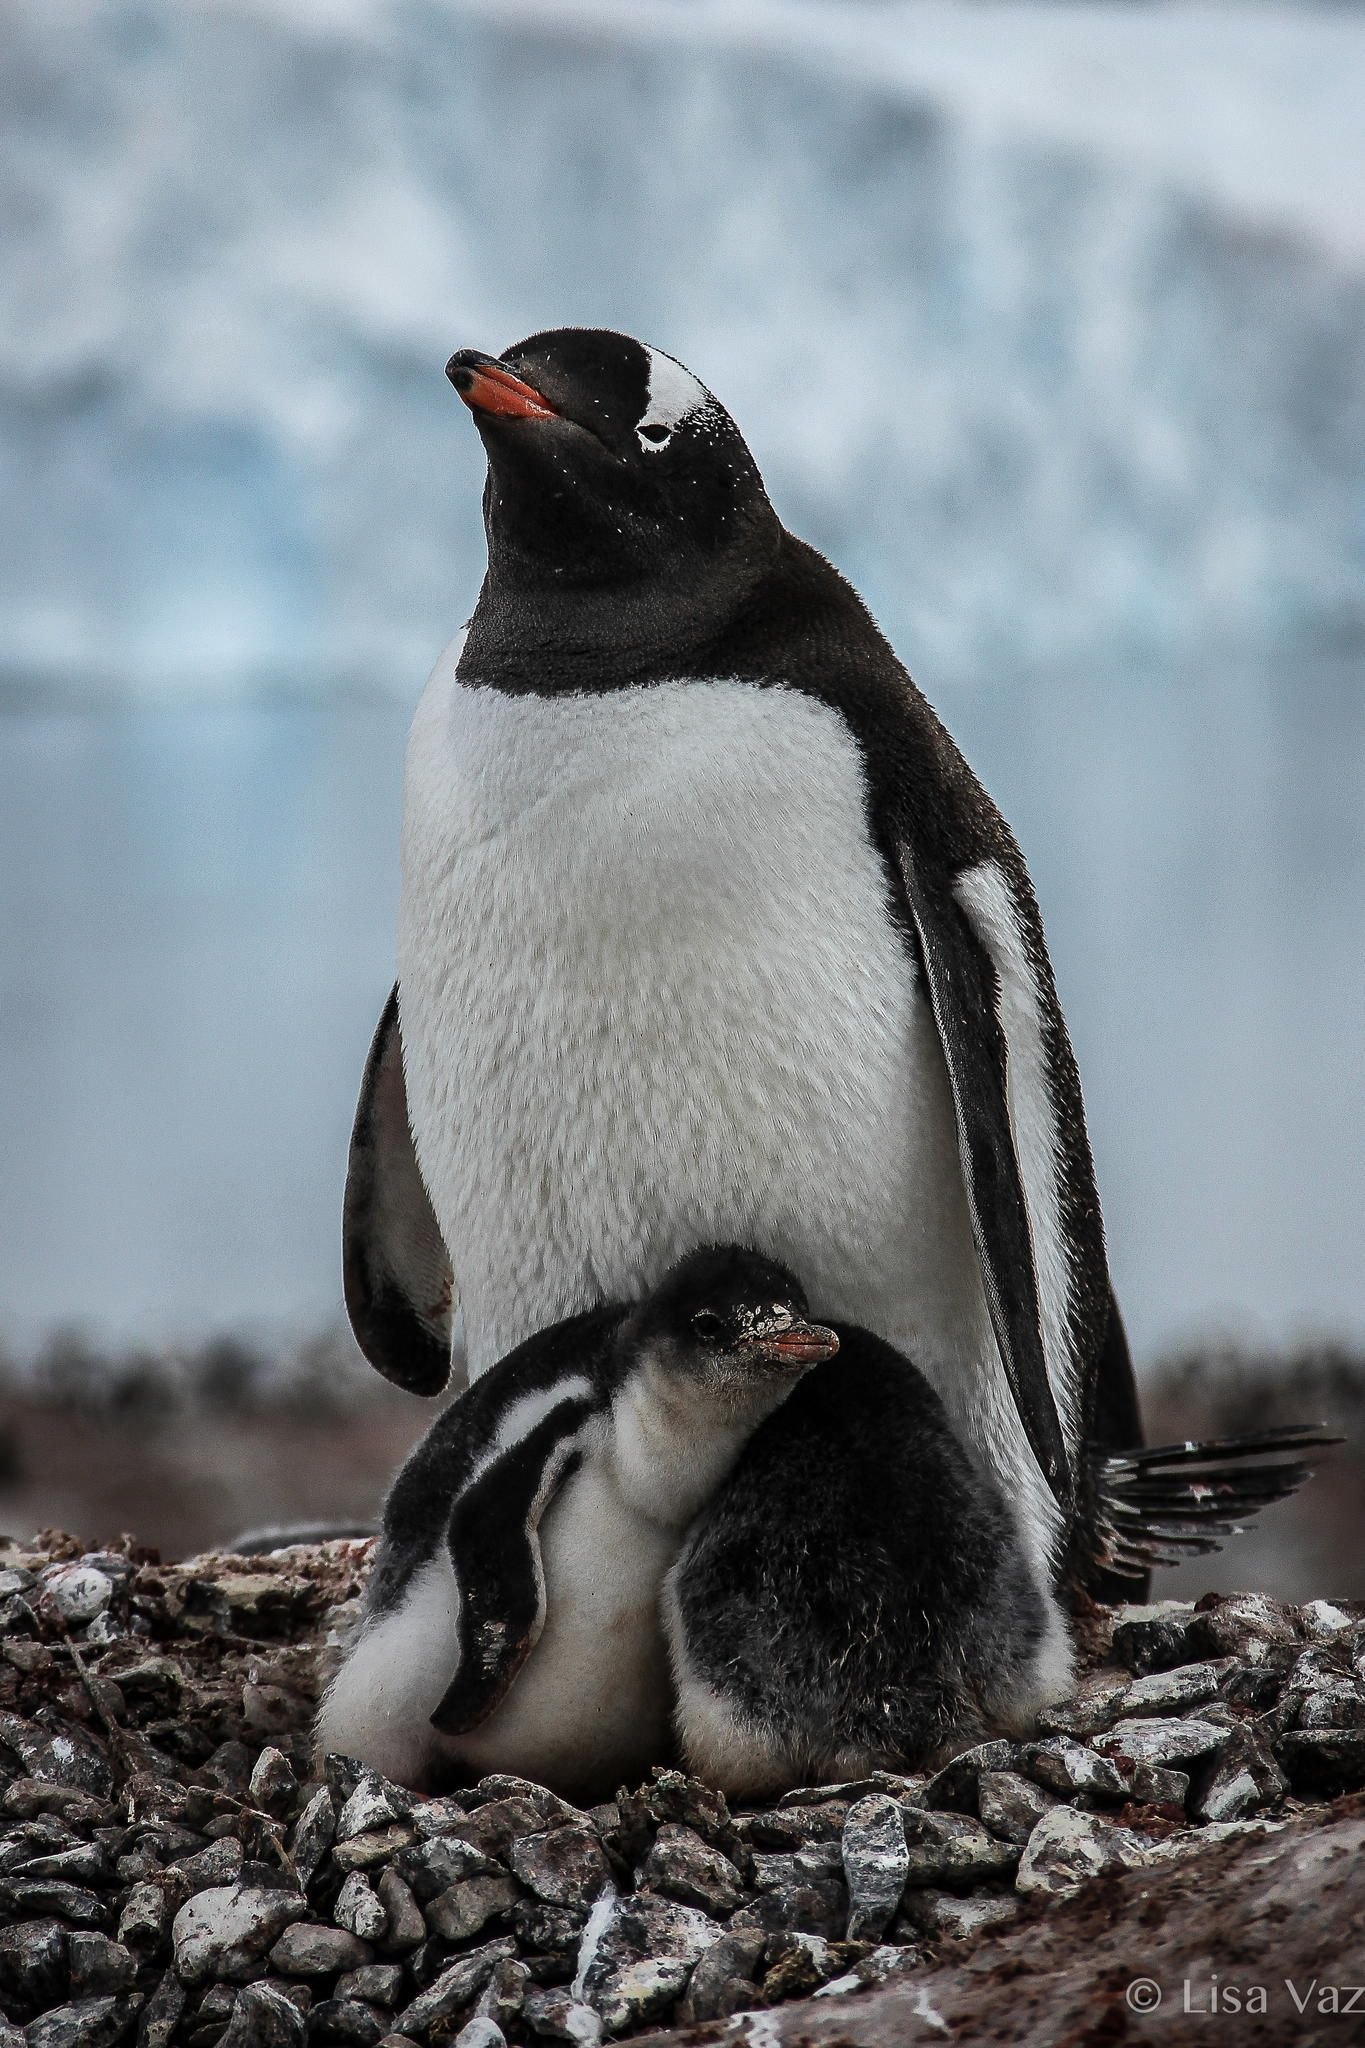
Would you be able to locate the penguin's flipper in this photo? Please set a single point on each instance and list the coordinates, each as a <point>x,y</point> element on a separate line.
<point>399,1287</point>
<point>495,1549</point>
<point>963,994</point>
<point>1173,1501</point>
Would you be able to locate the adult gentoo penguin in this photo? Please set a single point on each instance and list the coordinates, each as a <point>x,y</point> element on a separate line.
<point>512,1615</point>
<point>707,932</point>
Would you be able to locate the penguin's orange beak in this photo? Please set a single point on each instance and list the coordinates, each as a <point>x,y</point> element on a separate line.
<point>486,385</point>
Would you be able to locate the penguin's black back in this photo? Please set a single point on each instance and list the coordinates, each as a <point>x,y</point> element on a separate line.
<point>857,1584</point>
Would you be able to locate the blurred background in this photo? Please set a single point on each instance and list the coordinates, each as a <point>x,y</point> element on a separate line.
<point>1046,322</point>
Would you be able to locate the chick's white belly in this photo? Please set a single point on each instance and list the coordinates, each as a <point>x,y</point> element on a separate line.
<point>652,996</point>
<point>591,1706</point>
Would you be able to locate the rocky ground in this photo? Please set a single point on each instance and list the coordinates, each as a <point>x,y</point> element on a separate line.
<point>173,1869</point>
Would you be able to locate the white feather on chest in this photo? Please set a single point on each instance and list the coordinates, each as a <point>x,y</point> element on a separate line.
<point>652,997</point>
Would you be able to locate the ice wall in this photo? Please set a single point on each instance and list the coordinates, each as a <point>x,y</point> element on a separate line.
<point>1047,323</point>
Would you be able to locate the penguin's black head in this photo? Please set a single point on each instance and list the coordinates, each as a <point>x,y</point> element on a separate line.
<point>734,1322</point>
<point>612,470</point>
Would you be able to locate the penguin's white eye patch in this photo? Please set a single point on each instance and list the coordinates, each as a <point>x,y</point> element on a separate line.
<point>673,396</point>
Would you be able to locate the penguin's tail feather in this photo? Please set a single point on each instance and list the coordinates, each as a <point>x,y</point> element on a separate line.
<point>1175,1501</point>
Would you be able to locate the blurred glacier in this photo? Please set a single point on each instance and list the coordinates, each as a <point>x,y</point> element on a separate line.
<point>1047,323</point>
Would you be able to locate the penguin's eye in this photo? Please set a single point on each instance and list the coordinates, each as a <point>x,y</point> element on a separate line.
<point>655,436</point>
<point>708,1326</point>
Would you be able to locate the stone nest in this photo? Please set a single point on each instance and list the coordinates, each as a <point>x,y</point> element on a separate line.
<point>173,1870</point>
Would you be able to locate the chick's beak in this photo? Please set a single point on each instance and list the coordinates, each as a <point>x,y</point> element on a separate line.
<point>488,386</point>
<point>798,1343</point>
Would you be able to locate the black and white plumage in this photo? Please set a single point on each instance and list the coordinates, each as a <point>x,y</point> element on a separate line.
<point>708,932</point>
<point>840,1581</point>
<point>512,1615</point>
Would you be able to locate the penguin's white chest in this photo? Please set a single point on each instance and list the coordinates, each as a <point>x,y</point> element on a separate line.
<point>652,997</point>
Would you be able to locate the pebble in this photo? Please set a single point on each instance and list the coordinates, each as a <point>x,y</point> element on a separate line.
<point>308,1949</point>
<point>1244,1779</point>
<point>1163,1742</point>
<point>1170,1691</point>
<point>644,1958</point>
<point>78,1591</point>
<point>100,1966</point>
<point>1010,1806</point>
<point>682,1866</point>
<point>1067,1847</point>
<point>722,1980</point>
<point>314,1832</point>
<point>263,2017</point>
<point>466,1908</point>
<point>87,2023</point>
<point>373,1803</point>
<point>1063,1765</point>
<point>565,1866</point>
<point>222,1932</point>
<point>359,1911</point>
<point>953,1849</point>
<point>876,1861</point>
<point>406,1927</point>
<point>955,1785</point>
<point>946,1915</point>
<point>454,1988</point>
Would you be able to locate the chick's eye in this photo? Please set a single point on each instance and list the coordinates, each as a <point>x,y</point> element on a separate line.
<point>708,1326</point>
<point>654,435</point>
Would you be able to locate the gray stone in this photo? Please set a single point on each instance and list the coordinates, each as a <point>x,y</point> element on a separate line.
<point>145,1920</point>
<point>807,1865</point>
<point>953,1849</point>
<point>89,2023</point>
<point>263,2017</point>
<point>433,1866</point>
<point>225,1931</point>
<point>1010,1806</point>
<point>454,1988</point>
<point>308,1949</point>
<point>722,1980</point>
<point>162,2012</point>
<point>1068,1767</point>
<point>314,1832</point>
<point>219,1864</point>
<point>565,1866</point>
<point>406,1927</point>
<point>348,2022</point>
<point>955,1785</point>
<point>70,1902</point>
<point>820,1907</point>
<point>374,1803</point>
<point>1066,1848</point>
<point>876,1862</point>
<point>1163,1742</point>
<point>84,1863</point>
<point>100,1967</point>
<point>644,1958</point>
<point>1324,1622</point>
<point>556,2015</point>
<point>33,1962</point>
<point>503,1995</point>
<point>375,1847</point>
<point>1244,1778</point>
<point>547,1930</point>
<point>1170,1692</point>
<point>358,1910</point>
<point>1153,1785</point>
<point>680,1865</point>
<point>481,2032</point>
<point>273,1786</point>
<point>1336,1703</point>
<point>948,1917</point>
<point>78,1591</point>
<point>1245,1625</point>
<point>374,1983</point>
<point>70,1758</point>
<point>464,1910</point>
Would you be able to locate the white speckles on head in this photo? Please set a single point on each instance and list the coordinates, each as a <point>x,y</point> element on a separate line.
<point>674,395</point>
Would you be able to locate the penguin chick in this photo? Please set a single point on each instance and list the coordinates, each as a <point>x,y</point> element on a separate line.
<point>856,1596</point>
<point>512,1620</point>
